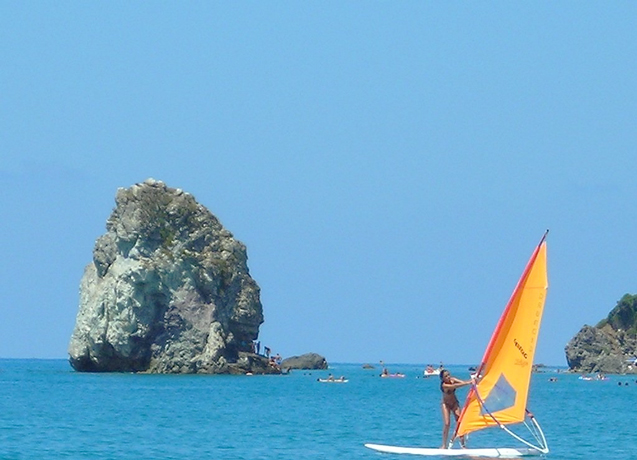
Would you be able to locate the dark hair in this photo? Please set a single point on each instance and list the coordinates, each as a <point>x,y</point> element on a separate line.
<point>442,378</point>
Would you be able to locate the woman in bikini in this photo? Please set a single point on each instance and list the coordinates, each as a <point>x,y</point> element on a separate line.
<point>450,404</point>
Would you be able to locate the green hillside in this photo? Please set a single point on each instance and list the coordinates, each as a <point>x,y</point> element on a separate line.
<point>623,316</point>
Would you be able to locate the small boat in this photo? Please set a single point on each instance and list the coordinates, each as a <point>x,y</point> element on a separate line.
<point>597,377</point>
<point>431,372</point>
<point>331,379</point>
<point>386,374</point>
<point>397,375</point>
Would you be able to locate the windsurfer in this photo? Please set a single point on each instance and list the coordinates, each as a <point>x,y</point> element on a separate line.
<point>450,404</point>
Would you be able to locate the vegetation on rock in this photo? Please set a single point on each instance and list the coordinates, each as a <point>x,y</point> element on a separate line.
<point>624,316</point>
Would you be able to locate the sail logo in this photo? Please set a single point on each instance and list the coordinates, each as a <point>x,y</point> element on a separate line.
<point>519,347</point>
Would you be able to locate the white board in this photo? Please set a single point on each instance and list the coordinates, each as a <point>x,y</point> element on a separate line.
<point>428,451</point>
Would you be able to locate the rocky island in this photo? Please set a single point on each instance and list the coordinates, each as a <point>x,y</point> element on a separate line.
<point>610,347</point>
<point>305,361</point>
<point>168,291</point>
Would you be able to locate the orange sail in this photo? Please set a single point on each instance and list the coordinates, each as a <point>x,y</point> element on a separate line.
<point>503,378</point>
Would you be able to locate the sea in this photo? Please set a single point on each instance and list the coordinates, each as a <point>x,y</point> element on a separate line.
<point>49,411</point>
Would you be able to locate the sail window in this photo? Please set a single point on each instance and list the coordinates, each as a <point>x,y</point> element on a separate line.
<point>501,397</point>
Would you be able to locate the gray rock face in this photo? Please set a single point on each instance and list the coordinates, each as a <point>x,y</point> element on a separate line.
<point>601,349</point>
<point>168,291</point>
<point>306,361</point>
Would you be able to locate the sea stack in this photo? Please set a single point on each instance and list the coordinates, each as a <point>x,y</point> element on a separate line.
<point>168,291</point>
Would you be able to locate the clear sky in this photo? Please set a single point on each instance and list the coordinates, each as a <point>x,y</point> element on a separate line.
<point>390,166</point>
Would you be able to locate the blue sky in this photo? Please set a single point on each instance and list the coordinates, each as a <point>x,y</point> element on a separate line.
<point>390,166</point>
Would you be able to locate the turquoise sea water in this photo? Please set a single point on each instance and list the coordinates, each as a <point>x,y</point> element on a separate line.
<point>48,411</point>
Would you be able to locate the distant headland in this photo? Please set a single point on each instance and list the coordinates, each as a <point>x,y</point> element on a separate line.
<point>610,347</point>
